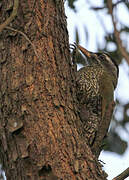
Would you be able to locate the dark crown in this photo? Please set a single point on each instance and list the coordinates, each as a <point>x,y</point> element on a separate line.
<point>107,61</point>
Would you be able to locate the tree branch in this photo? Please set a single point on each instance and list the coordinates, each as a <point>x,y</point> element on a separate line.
<point>12,16</point>
<point>104,7</point>
<point>25,36</point>
<point>117,33</point>
<point>123,175</point>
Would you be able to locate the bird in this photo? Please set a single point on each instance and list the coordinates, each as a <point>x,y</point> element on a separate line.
<point>95,85</point>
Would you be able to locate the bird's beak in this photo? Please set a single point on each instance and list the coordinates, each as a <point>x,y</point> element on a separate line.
<point>84,51</point>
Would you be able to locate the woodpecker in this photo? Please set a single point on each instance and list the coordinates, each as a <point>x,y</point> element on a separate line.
<point>96,83</point>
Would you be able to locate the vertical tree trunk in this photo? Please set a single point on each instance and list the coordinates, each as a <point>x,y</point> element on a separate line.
<point>40,131</point>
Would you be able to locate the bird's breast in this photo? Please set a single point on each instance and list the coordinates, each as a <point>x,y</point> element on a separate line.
<point>90,79</point>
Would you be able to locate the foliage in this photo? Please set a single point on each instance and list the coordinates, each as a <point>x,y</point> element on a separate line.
<point>119,53</point>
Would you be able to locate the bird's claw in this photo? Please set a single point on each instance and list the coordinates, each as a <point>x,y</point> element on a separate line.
<point>73,46</point>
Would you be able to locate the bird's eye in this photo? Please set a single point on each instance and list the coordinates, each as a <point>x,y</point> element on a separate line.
<point>101,56</point>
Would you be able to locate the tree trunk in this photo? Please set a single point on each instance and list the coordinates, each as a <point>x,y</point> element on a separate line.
<point>40,130</point>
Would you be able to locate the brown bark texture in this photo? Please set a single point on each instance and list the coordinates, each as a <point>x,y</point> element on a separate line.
<point>40,130</point>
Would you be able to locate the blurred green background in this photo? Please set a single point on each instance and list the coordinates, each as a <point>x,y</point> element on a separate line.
<point>103,25</point>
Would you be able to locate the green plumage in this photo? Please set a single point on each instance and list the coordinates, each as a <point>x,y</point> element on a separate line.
<point>95,93</point>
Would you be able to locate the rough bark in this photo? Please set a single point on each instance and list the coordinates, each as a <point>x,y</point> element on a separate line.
<point>40,131</point>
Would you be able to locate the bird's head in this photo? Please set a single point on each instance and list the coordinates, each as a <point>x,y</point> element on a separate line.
<point>102,59</point>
